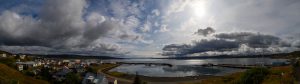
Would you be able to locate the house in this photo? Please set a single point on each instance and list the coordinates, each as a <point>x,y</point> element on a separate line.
<point>91,78</point>
<point>20,67</point>
<point>27,64</point>
<point>60,75</point>
<point>59,63</point>
<point>39,63</point>
<point>66,61</point>
<point>112,80</point>
<point>77,61</point>
<point>80,69</point>
<point>22,56</point>
<point>3,55</point>
<point>88,78</point>
<point>116,82</point>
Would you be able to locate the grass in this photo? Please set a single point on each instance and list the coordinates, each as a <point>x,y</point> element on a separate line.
<point>117,74</point>
<point>9,75</point>
<point>228,79</point>
<point>8,61</point>
<point>276,75</point>
<point>280,75</point>
<point>101,67</point>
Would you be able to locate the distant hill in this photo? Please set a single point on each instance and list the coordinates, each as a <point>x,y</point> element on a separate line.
<point>278,55</point>
<point>1,52</point>
<point>294,54</point>
<point>69,56</point>
<point>11,76</point>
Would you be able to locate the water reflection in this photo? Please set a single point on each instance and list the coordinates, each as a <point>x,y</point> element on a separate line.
<point>186,67</point>
<point>175,71</point>
<point>243,61</point>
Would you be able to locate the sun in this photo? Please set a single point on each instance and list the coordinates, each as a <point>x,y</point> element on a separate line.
<point>199,8</point>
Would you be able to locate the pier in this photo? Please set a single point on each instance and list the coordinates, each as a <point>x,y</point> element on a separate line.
<point>147,64</point>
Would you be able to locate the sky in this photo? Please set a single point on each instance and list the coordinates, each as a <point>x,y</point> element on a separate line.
<point>150,28</point>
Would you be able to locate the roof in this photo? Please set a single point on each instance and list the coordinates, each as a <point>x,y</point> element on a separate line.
<point>27,63</point>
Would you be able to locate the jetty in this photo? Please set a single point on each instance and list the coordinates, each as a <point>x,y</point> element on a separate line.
<point>147,64</point>
<point>234,65</point>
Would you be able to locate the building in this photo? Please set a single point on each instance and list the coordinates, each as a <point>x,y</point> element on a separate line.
<point>20,67</point>
<point>66,61</point>
<point>22,56</point>
<point>3,55</point>
<point>112,80</point>
<point>91,78</point>
<point>61,74</point>
<point>28,64</point>
<point>77,61</point>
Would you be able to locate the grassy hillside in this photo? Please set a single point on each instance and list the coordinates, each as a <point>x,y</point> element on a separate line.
<point>4,52</point>
<point>11,76</point>
<point>274,75</point>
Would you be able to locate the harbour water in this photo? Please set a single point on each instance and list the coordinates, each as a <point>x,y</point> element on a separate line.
<point>182,68</point>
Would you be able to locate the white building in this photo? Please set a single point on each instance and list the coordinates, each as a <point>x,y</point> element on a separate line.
<point>29,64</point>
<point>91,78</point>
<point>20,67</point>
<point>22,56</point>
<point>66,61</point>
<point>3,55</point>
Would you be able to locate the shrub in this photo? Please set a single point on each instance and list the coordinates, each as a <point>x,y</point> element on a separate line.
<point>254,76</point>
<point>72,78</point>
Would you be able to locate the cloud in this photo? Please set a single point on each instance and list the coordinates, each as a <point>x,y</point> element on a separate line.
<point>130,37</point>
<point>252,39</point>
<point>205,32</point>
<point>146,27</point>
<point>236,43</point>
<point>81,25</point>
<point>174,49</point>
<point>200,46</point>
<point>156,12</point>
<point>296,43</point>
<point>163,28</point>
<point>60,25</point>
<point>98,49</point>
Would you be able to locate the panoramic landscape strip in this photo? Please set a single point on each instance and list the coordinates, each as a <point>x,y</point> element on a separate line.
<point>19,68</point>
<point>149,42</point>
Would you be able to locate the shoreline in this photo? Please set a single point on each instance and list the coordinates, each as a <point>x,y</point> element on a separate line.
<point>129,78</point>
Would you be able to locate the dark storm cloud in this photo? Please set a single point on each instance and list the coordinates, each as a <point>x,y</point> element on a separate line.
<point>200,46</point>
<point>175,49</point>
<point>93,33</point>
<point>213,45</point>
<point>253,40</point>
<point>60,25</point>
<point>205,32</point>
<point>226,42</point>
